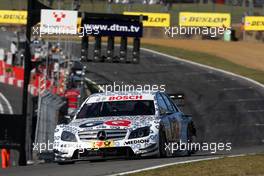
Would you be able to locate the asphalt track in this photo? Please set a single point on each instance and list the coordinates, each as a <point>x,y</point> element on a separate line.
<point>224,108</point>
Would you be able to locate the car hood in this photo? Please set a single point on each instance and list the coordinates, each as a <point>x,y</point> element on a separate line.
<point>123,122</point>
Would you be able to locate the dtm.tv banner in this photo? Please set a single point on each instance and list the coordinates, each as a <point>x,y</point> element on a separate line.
<point>113,28</point>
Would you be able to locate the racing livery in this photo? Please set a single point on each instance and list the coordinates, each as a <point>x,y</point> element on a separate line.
<point>123,124</point>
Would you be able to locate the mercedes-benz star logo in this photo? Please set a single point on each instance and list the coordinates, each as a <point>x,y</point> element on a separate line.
<point>101,135</point>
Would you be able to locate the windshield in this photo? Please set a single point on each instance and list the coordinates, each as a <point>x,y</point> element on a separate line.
<point>117,108</point>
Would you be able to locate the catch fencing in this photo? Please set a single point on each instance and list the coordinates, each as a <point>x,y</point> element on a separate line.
<point>51,110</point>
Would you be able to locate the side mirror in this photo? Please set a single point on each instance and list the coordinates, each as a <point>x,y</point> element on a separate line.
<point>66,120</point>
<point>72,114</point>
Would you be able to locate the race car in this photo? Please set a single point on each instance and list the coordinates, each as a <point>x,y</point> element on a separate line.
<point>127,124</point>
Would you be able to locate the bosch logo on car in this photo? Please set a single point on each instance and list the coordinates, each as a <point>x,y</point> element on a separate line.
<point>136,97</point>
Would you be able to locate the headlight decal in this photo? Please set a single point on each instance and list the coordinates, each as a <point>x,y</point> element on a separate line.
<point>68,136</point>
<point>139,133</point>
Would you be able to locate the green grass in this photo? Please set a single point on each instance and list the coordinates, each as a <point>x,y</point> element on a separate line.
<point>236,166</point>
<point>210,60</point>
<point>102,7</point>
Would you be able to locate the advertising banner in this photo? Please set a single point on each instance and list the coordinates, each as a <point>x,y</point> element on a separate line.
<point>204,19</point>
<point>154,19</point>
<point>254,23</point>
<point>13,17</point>
<point>113,28</point>
<point>58,22</point>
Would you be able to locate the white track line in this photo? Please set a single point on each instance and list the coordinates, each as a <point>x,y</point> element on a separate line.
<point>205,66</point>
<point>165,165</point>
<point>178,163</point>
<point>1,109</point>
<point>7,103</point>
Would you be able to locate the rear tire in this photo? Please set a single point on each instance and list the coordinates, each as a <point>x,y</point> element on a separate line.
<point>191,138</point>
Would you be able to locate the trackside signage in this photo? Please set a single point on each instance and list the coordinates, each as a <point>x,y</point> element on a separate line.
<point>204,19</point>
<point>154,19</point>
<point>113,28</point>
<point>13,17</point>
<point>254,23</point>
<point>58,22</point>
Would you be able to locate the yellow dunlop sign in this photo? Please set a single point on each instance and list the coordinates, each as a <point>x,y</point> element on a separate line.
<point>154,19</point>
<point>254,23</point>
<point>13,17</point>
<point>204,19</point>
<point>19,17</point>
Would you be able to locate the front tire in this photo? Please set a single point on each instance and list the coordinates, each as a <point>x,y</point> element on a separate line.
<point>162,145</point>
<point>191,138</point>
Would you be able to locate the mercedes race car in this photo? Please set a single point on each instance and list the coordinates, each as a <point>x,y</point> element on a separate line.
<point>124,124</point>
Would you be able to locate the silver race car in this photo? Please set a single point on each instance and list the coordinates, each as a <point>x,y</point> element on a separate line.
<point>124,124</point>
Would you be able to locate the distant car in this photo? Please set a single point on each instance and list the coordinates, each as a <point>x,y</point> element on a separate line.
<point>123,124</point>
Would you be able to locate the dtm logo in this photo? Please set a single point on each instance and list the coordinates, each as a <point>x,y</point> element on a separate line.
<point>59,17</point>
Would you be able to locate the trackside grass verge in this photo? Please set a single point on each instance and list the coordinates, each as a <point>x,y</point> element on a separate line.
<point>210,60</point>
<point>252,165</point>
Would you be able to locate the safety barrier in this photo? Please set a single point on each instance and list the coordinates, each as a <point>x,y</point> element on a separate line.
<point>51,109</point>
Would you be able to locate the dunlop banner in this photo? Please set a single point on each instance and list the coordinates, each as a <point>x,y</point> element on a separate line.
<point>154,19</point>
<point>19,17</point>
<point>204,19</point>
<point>254,23</point>
<point>13,17</point>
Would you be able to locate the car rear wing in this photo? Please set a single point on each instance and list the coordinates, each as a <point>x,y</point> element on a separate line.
<point>178,99</point>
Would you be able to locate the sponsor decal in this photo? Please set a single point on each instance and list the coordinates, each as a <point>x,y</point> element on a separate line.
<point>254,23</point>
<point>57,137</point>
<point>124,123</point>
<point>13,17</point>
<point>140,141</point>
<point>103,144</point>
<point>58,21</point>
<point>125,97</point>
<point>154,19</point>
<point>70,129</point>
<point>204,19</point>
<point>91,124</point>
